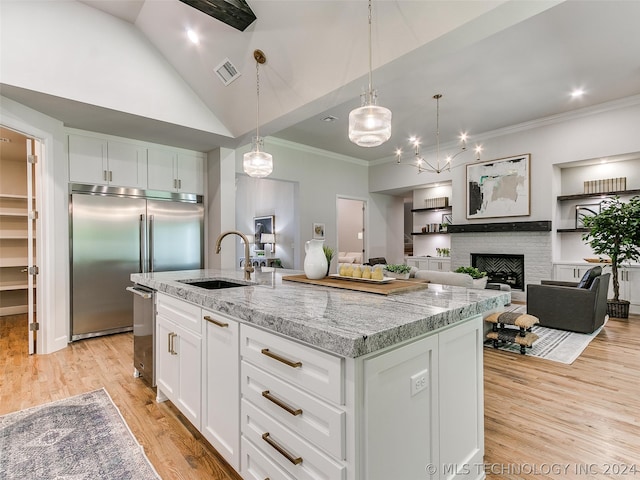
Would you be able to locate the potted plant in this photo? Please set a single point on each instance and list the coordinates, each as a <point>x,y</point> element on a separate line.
<point>329,253</point>
<point>615,232</point>
<point>479,278</point>
<point>399,271</point>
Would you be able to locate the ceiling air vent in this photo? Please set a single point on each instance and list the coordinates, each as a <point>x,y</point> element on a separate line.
<point>227,72</point>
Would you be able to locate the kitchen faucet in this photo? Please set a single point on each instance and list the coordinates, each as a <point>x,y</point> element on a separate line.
<point>248,268</point>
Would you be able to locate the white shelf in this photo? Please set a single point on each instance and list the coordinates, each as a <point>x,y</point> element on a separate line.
<point>5,288</point>
<point>11,195</point>
<point>13,235</point>
<point>14,262</point>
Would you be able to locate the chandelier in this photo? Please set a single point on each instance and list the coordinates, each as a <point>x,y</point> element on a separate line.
<point>257,163</point>
<point>370,124</point>
<point>424,165</point>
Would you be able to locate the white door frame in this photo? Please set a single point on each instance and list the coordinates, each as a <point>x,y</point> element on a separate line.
<point>365,204</point>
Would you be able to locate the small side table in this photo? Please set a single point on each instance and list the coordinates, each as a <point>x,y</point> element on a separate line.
<point>522,334</point>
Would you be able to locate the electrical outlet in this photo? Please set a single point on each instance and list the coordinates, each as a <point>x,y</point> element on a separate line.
<point>419,382</point>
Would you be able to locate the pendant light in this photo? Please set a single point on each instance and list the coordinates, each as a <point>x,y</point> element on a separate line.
<point>257,163</point>
<point>370,124</point>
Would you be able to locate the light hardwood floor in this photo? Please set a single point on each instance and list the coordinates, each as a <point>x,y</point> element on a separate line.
<point>543,420</point>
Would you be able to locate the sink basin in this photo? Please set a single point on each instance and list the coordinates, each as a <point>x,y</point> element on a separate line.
<point>215,284</point>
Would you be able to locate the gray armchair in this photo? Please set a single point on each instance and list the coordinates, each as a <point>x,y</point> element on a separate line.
<point>565,306</point>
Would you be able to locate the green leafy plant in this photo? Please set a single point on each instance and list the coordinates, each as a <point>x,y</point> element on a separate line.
<point>397,268</point>
<point>473,271</point>
<point>328,252</point>
<point>615,232</point>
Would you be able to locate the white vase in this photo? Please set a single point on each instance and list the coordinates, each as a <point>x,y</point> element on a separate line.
<point>480,283</point>
<point>315,261</point>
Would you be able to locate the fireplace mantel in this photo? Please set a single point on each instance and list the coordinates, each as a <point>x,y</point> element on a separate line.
<point>537,226</point>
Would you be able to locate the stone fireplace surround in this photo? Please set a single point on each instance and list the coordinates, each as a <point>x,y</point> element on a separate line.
<point>535,246</point>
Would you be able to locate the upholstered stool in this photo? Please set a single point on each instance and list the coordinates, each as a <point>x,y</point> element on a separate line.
<point>521,335</point>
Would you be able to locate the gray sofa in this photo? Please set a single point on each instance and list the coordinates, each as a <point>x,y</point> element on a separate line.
<point>565,306</point>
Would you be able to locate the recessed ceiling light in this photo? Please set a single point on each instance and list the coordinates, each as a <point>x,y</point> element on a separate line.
<point>193,36</point>
<point>577,93</point>
<point>329,118</point>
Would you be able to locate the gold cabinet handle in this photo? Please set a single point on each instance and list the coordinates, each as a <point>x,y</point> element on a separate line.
<point>169,342</point>
<point>275,356</point>
<point>215,322</point>
<point>172,337</point>
<point>281,451</point>
<point>293,411</point>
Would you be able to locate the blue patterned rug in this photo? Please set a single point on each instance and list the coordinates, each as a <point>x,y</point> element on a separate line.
<point>78,438</point>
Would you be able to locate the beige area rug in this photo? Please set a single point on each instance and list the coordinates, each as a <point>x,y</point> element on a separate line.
<point>555,345</point>
<point>79,438</point>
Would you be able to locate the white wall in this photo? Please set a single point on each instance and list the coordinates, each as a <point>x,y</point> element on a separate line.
<point>321,177</point>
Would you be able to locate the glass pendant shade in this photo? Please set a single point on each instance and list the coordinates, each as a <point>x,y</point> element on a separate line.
<point>369,125</point>
<point>257,163</point>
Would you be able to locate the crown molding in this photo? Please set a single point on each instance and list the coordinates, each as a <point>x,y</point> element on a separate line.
<point>541,122</point>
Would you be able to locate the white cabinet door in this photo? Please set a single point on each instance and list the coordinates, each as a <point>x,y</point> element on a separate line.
<point>461,399</point>
<point>161,174</point>
<point>176,172</point>
<point>179,356</point>
<point>221,387</point>
<point>440,264</point>
<point>88,160</point>
<point>100,162</point>
<point>190,173</point>
<point>401,384</point>
<point>127,165</point>
<point>630,287</point>
<point>570,273</point>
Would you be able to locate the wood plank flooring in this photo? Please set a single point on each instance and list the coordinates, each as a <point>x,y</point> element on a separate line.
<point>543,420</point>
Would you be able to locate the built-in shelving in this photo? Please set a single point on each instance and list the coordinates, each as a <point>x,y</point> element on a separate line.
<point>432,209</point>
<point>572,230</point>
<point>579,196</point>
<point>429,233</point>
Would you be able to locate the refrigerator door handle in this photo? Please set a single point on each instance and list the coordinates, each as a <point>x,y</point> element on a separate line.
<point>143,243</point>
<point>151,228</point>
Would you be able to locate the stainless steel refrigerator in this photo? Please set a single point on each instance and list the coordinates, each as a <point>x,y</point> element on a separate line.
<point>116,232</point>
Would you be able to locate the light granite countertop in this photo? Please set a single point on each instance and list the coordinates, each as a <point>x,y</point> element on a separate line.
<point>345,322</point>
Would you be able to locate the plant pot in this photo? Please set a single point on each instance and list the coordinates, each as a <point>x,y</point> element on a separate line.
<point>619,309</point>
<point>399,276</point>
<point>480,283</point>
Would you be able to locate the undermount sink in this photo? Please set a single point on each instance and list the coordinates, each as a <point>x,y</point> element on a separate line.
<point>215,284</point>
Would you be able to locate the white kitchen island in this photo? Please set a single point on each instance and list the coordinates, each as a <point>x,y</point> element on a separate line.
<point>293,381</point>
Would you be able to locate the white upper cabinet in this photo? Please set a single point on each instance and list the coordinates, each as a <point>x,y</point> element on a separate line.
<point>98,161</point>
<point>175,171</point>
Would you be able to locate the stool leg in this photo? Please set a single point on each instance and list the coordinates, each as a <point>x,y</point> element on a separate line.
<point>523,349</point>
<point>495,344</point>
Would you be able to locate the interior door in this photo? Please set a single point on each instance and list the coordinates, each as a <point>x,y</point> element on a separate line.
<point>351,226</point>
<point>32,269</point>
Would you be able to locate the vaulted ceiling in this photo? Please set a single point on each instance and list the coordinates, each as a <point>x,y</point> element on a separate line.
<point>497,64</point>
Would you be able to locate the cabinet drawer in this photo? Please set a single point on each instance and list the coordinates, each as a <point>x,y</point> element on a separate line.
<point>301,365</point>
<point>257,466</point>
<point>179,311</point>
<point>292,453</point>
<point>313,419</point>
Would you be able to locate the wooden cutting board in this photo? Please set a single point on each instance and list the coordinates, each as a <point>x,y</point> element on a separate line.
<point>396,286</point>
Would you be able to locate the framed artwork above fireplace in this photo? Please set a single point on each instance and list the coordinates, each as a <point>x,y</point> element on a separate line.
<point>499,188</point>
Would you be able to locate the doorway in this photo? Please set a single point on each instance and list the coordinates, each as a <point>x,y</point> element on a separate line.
<point>351,221</point>
<point>18,228</point>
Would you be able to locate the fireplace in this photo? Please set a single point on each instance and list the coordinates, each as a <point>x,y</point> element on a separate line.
<point>501,268</point>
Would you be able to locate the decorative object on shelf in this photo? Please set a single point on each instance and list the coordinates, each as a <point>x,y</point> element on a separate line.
<point>424,165</point>
<point>398,271</point>
<point>437,202</point>
<point>318,231</point>
<point>328,253</point>
<point>598,260</point>
<point>315,261</point>
<point>370,124</point>
<point>447,218</point>
<point>261,227</point>
<point>269,241</point>
<point>583,211</point>
<point>499,188</point>
<point>443,252</point>
<point>615,232</point>
<point>605,185</point>
<point>258,163</point>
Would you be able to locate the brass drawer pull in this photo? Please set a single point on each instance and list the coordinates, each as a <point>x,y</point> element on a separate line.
<point>275,356</point>
<point>215,322</point>
<point>293,411</point>
<point>281,451</point>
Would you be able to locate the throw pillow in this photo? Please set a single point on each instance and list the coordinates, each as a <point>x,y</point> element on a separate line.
<point>589,275</point>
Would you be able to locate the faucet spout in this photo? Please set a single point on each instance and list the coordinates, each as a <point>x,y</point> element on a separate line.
<point>248,268</point>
